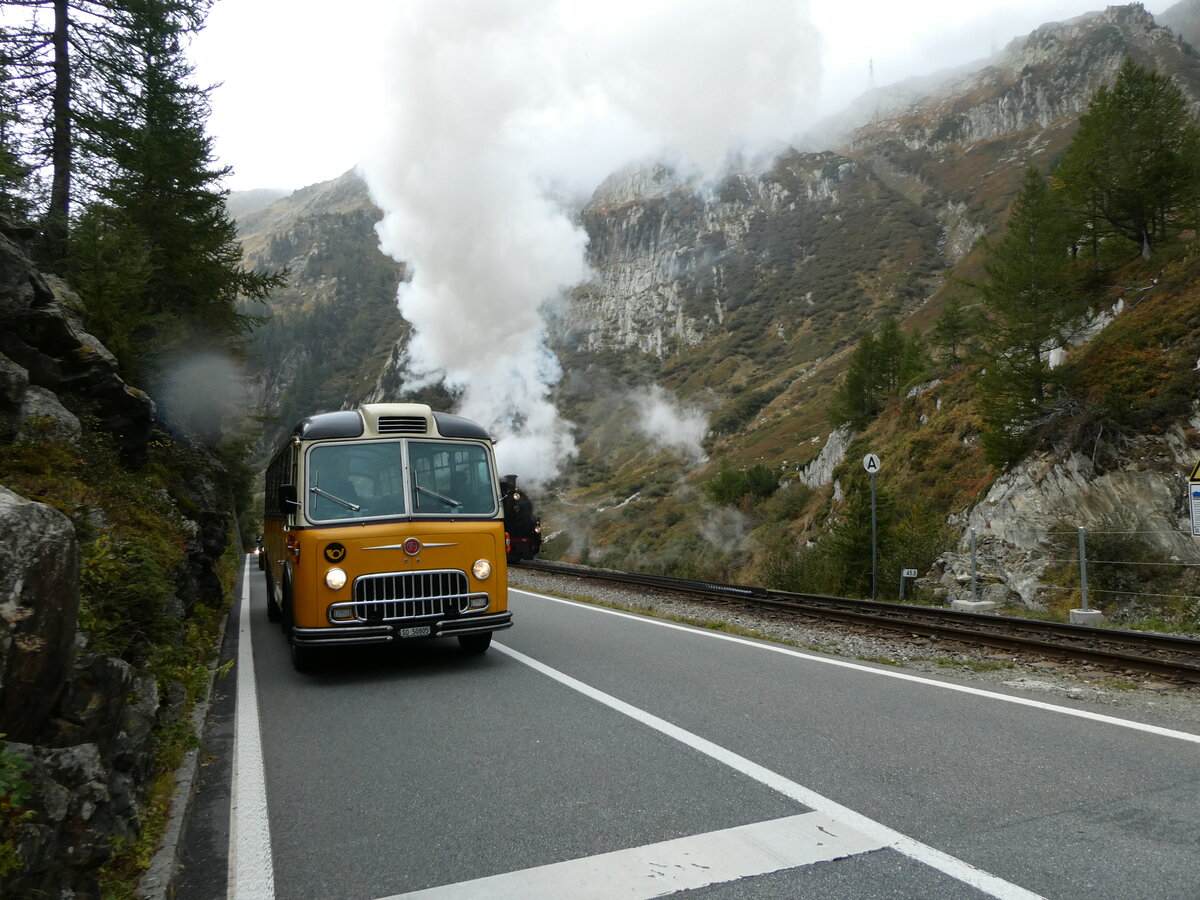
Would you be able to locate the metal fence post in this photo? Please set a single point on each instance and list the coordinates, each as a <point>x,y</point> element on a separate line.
<point>974,570</point>
<point>1083,566</point>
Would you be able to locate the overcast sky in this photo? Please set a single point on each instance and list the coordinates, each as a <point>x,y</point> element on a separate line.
<point>480,125</point>
<point>301,87</point>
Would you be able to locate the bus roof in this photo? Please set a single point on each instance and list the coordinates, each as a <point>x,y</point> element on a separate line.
<point>387,420</point>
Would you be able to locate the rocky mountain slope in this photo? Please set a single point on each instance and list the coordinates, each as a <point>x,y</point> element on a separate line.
<point>332,328</point>
<point>743,300</point>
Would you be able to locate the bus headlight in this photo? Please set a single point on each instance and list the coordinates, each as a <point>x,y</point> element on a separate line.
<point>335,579</point>
<point>482,569</point>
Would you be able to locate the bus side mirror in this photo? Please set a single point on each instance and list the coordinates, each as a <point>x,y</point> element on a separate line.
<point>287,496</point>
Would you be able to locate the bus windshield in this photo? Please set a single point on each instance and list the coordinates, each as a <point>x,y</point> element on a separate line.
<point>366,480</point>
<point>450,478</point>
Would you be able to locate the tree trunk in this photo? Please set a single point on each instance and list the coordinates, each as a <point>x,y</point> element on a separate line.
<point>58,214</point>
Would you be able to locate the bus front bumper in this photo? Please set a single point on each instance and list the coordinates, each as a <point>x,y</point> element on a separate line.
<point>341,635</point>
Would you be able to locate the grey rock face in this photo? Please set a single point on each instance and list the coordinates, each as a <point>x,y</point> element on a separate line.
<point>39,602</point>
<point>44,339</point>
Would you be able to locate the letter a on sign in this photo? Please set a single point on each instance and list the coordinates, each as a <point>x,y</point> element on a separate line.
<point>871,463</point>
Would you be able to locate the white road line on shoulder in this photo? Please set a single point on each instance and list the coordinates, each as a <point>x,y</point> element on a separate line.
<point>683,864</point>
<point>883,673</point>
<point>251,872</point>
<point>842,815</point>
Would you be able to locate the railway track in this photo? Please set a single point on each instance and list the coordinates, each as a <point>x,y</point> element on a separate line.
<point>1164,655</point>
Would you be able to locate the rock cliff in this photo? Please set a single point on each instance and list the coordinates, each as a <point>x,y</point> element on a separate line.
<point>83,719</point>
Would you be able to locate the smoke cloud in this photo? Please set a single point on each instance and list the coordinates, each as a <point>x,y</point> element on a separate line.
<point>503,116</point>
<point>670,425</point>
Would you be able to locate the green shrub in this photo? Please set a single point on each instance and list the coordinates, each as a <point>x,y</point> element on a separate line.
<point>14,791</point>
<point>728,487</point>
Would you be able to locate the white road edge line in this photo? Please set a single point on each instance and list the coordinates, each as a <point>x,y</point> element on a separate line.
<point>251,871</point>
<point>668,867</point>
<point>887,837</point>
<point>884,673</point>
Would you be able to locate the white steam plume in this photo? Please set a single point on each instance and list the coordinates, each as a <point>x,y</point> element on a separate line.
<point>668,424</point>
<point>501,114</point>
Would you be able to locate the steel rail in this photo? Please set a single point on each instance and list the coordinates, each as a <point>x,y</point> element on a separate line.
<point>1172,656</point>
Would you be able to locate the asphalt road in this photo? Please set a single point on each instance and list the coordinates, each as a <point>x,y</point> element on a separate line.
<point>592,753</point>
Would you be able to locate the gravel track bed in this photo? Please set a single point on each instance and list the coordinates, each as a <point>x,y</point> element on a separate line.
<point>1036,677</point>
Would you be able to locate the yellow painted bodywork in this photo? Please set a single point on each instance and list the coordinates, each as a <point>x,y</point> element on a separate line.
<point>373,549</point>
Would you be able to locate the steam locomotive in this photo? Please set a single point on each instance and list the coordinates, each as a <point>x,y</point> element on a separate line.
<point>520,522</point>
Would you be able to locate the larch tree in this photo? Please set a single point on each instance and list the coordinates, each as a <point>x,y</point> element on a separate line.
<point>954,330</point>
<point>884,362</point>
<point>1132,170</point>
<point>1033,305</point>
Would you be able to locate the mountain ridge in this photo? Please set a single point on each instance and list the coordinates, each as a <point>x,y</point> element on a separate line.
<point>744,300</point>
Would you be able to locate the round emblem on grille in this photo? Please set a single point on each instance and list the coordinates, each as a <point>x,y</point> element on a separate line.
<point>335,552</point>
<point>412,546</point>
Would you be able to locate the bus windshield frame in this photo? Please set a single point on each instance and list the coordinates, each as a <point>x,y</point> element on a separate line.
<point>389,478</point>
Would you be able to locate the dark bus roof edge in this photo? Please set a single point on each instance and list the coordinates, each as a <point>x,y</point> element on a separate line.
<point>348,423</point>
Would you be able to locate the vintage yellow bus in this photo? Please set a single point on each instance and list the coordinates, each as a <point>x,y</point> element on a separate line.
<point>383,524</point>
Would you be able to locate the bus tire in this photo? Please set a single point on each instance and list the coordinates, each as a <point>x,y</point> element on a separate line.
<point>304,659</point>
<point>286,616</point>
<point>273,611</point>
<point>475,644</point>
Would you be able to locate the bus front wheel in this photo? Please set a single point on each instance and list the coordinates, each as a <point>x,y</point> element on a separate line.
<point>274,614</point>
<point>303,658</point>
<point>474,644</point>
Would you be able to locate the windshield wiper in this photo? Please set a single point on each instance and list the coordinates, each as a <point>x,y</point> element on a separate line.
<point>449,501</point>
<point>346,503</point>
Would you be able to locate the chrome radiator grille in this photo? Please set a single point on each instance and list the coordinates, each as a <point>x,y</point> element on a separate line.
<point>410,595</point>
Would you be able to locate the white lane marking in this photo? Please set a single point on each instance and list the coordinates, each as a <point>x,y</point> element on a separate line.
<point>843,815</point>
<point>683,864</point>
<point>251,872</point>
<point>884,673</point>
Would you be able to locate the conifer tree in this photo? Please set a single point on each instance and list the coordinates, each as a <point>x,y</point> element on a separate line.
<point>49,59</point>
<point>162,198</point>
<point>953,330</point>
<point>14,171</point>
<point>847,547</point>
<point>883,363</point>
<point>1033,304</point>
<point>1132,168</point>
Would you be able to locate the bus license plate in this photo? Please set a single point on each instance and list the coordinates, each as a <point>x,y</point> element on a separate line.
<point>415,631</point>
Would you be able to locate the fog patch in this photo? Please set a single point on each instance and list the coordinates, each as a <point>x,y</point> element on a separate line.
<point>201,395</point>
<point>671,425</point>
<point>725,528</point>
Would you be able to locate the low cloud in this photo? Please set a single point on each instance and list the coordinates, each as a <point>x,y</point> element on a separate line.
<point>499,116</point>
<point>671,425</point>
